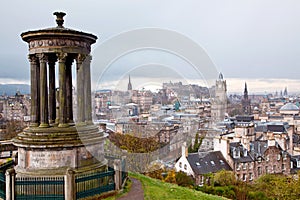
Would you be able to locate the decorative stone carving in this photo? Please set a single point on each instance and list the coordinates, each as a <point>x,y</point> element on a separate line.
<point>62,57</point>
<point>80,58</point>
<point>59,43</point>
<point>42,57</point>
<point>32,58</point>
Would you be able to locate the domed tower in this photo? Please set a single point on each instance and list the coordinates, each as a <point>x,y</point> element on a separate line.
<point>56,140</point>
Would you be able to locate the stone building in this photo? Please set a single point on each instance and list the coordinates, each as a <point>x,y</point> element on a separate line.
<point>16,107</point>
<point>219,103</point>
<point>144,99</point>
<point>199,165</point>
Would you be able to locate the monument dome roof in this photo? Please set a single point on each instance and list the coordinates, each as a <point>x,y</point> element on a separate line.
<point>289,107</point>
<point>58,31</point>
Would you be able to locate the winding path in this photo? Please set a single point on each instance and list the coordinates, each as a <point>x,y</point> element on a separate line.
<point>136,191</point>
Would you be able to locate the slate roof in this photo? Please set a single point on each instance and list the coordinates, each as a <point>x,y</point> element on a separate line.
<point>244,118</point>
<point>261,128</point>
<point>242,157</point>
<point>276,128</point>
<point>258,148</point>
<point>275,117</point>
<point>210,163</point>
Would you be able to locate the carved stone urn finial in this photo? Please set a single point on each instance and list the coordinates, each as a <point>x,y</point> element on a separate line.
<point>59,19</point>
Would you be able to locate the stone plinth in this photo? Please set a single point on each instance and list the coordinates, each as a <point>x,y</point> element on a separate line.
<point>54,149</point>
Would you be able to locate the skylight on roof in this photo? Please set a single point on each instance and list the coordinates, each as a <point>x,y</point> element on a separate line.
<point>212,163</point>
<point>198,164</point>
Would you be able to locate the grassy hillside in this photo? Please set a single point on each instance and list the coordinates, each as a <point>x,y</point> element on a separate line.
<point>157,190</point>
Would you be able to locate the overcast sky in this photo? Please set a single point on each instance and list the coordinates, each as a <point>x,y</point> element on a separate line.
<point>257,41</point>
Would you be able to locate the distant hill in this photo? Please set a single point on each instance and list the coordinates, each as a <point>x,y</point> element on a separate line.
<point>11,89</point>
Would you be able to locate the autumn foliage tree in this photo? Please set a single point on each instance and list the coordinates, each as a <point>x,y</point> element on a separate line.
<point>138,151</point>
<point>171,176</point>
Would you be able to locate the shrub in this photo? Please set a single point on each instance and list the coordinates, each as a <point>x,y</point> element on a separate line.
<point>184,180</point>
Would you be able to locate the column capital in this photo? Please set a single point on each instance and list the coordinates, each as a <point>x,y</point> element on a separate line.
<point>62,57</point>
<point>80,58</point>
<point>32,58</point>
<point>88,58</point>
<point>42,57</point>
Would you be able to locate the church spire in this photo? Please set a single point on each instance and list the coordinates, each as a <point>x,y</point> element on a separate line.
<point>245,91</point>
<point>285,92</point>
<point>129,87</point>
<point>221,76</point>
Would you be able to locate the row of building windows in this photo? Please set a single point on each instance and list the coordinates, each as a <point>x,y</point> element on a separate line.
<point>244,177</point>
<point>250,166</point>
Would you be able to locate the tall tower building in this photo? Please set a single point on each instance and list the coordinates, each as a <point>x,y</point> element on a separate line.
<point>246,103</point>
<point>219,103</point>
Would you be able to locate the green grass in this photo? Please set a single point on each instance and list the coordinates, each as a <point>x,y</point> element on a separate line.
<point>158,190</point>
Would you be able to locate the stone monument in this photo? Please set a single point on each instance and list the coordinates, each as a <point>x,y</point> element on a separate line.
<point>57,141</point>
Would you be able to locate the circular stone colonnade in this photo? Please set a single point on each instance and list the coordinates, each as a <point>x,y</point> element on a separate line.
<point>54,142</point>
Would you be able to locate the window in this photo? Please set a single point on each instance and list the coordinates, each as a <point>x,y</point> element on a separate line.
<point>284,156</point>
<point>278,157</point>
<point>244,177</point>
<point>244,165</point>
<point>274,168</point>
<point>250,176</point>
<point>259,159</point>
<point>267,158</point>
<point>259,171</point>
<point>267,169</point>
<point>283,167</point>
<point>250,165</point>
<point>180,165</point>
<point>185,167</point>
<point>238,166</point>
<point>298,163</point>
<point>202,180</point>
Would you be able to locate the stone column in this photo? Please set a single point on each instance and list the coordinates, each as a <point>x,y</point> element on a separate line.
<point>69,90</point>
<point>80,89</point>
<point>34,118</point>
<point>52,91</point>
<point>87,90</point>
<point>62,90</point>
<point>10,175</point>
<point>70,187</point>
<point>117,177</point>
<point>43,91</point>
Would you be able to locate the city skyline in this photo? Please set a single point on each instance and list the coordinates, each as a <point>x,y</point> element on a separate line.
<point>251,41</point>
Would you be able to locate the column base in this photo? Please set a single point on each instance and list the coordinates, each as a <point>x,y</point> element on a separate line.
<point>64,125</point>
<point>81,124</point>
<point>89,122</point>
<point>44,125</point>
<point>34,124</point>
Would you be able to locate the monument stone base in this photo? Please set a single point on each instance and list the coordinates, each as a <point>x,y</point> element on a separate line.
<point>51,151</point>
